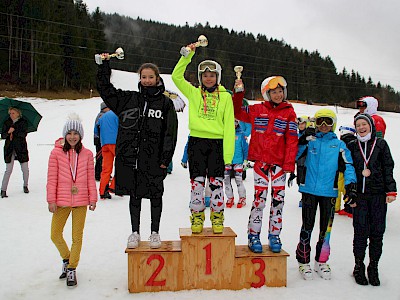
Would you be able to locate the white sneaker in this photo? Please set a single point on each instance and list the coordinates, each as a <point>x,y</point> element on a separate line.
<point>305,271</point>
<point>155,241</point>
<point>323,270</point>
<point>133,240</point>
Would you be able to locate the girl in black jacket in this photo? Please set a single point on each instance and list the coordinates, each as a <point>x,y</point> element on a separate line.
<point>146,142</point>
<point>376,188</point>
<point>15,148</point>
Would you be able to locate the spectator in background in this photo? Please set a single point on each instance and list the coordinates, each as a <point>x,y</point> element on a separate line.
<point>97,144</point>
<point>369,105</point>
<point>108,126</point>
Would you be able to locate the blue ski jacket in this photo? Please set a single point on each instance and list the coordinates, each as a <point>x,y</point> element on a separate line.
<point>241,146</point>
<point>108,124</point>
<point>322,165</point>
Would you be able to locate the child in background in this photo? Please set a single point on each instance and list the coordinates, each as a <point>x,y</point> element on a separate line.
<point>273,147</point>
<point>324,154</point>
<point>301,127</point>
<point>212,137</point>
<point>71,188</point>
<point>237,166</point>
<point>347,134</point>
<point>376,188</point>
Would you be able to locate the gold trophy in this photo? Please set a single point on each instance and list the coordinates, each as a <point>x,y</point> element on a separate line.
<point>119,54</point>
<point>238,70</point>
<point>201,42</point>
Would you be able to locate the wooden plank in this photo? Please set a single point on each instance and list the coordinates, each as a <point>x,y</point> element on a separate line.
<point>244,251</point>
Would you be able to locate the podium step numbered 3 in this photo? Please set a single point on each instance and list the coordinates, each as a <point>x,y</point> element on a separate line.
<point>203,261</point>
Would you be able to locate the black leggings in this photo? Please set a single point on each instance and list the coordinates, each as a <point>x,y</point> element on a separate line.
<point>135,206</point>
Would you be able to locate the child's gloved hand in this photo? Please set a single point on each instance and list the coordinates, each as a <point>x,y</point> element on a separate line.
<point>291,178</point>
<point>351,194</point>
<point>308,135</point>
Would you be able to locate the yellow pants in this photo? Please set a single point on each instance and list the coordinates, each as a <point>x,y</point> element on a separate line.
<point>57,227</point>
<point>341,191</point>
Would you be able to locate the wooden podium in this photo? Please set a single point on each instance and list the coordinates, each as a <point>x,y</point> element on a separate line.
<point>203,261</point>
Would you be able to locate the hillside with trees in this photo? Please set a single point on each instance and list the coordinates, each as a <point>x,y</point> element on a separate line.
<point>50,45</point>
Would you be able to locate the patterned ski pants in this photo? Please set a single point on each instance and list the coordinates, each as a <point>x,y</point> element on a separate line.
<point>263,174</point>
<point>238,169</point>
<point>197,203</point>
<point>57,228</point>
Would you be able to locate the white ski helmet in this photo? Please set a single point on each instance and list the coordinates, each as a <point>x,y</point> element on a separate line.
<point>271,83</point>
<point>347,129</point>
<point>209,65</point>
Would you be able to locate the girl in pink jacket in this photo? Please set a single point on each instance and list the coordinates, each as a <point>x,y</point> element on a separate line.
<point>71,187</point>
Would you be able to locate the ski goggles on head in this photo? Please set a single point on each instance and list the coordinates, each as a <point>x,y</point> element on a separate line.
<point>361,103</point>
<point>274,82</point>
<point>301,120</point>
<point>328,121</point>
<point>208,65</point>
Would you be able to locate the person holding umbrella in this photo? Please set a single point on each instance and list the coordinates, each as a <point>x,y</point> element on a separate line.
<point>14,131</point>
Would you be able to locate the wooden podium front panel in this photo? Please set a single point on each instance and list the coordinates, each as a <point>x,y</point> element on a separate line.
<point>154,270</point>
<point>207,258</point>
<point>259,269</point>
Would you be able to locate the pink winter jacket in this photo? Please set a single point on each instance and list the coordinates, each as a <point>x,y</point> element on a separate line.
<point>59,178</point>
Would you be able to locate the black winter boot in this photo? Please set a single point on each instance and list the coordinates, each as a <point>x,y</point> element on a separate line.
<point>71,277</point>
<point>359,272</point>
<point>64,268</point>
<point>3,194</point>
<point>373,275</point>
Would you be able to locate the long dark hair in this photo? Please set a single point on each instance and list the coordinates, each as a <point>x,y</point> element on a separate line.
<point>67,146</point>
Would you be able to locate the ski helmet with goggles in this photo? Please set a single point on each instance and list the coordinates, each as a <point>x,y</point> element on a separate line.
<point>271,83</point>
<point>325,116</point>
<point>209,65</point>
<point>302,119</point>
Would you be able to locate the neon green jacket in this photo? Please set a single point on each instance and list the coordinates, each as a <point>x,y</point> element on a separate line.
<point>212,118</point>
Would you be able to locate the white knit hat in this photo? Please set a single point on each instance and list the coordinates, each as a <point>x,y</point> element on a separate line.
<point>73,123</point>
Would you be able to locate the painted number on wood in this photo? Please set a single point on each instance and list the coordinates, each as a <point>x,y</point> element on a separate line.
<point>259,273</point>
<point>152,281</point>
<point>208,258</point>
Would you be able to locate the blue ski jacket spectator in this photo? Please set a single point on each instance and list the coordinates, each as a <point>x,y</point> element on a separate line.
<point>324,153</point>
<point>185,157</point>
<point>108,128</point>
<point>246,127</point>
<point>241,146</point>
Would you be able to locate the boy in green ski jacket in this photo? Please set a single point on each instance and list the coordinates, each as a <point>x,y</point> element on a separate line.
<point>212,137</point>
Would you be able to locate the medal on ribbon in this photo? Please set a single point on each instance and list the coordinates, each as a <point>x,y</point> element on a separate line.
<point>74,189</point>
<point>366,172</point>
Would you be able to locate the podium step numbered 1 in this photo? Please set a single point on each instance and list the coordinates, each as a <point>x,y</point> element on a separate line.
<point>203,261</point>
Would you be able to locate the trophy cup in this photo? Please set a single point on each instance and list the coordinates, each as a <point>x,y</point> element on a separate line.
<point>238,70</point>
<point>119,54</point>
<point>201,42</point>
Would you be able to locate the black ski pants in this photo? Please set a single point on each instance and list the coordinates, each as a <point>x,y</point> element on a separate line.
<point>369,222</point>
<point>308,211</point>
<point>135,206</point>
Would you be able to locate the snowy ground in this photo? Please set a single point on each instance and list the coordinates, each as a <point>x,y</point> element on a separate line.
<point>30,263</point>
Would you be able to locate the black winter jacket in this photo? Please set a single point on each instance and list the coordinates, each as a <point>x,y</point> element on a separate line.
<point>381,165</point>
<point>146,138</point>
<point>18,141</point>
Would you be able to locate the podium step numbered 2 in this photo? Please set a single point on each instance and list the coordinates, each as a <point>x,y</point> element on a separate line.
<point>203,261</point>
